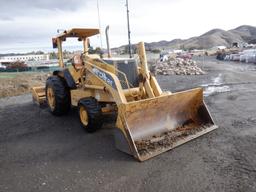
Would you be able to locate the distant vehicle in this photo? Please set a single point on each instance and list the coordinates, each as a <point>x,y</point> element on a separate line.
<point>235,57</point>
<point>242,58</point>
<point>221,56</point>
<point>227,58</point>
<point>2,66</point>
<point>248,56</point>
<point>164,56</point>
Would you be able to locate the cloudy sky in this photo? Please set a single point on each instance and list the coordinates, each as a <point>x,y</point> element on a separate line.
<point>29,24</point>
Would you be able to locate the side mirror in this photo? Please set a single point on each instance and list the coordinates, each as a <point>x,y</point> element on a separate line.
<point>54,43</point>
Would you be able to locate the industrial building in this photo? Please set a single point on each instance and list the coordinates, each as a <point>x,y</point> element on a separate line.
<point>10,59</point>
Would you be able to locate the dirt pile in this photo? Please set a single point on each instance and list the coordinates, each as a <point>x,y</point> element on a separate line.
<point>177,66</point>
<point>16,84</point>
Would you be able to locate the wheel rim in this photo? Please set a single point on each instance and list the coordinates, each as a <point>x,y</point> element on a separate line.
<point>51,97</point>
<point>83,115</point>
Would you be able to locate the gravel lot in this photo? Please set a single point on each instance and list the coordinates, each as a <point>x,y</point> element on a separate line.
<point>40,152</point>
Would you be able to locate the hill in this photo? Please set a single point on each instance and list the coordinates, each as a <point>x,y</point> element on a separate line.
<point>212,38</point>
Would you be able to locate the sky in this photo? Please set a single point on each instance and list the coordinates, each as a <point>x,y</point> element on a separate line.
<point>30,24</point>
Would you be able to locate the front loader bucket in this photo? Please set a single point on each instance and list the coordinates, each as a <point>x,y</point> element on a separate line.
<point>153,126</point>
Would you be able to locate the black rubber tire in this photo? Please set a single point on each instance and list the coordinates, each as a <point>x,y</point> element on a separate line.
<point>95,117</point>
<point>61,93</point>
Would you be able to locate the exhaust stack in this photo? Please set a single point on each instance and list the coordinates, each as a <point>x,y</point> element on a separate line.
<point>107,39</point>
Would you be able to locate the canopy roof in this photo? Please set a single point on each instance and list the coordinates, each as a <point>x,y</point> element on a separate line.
<point>79,32</point>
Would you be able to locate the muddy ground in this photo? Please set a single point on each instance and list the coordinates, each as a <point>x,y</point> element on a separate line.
<point>40,152</point>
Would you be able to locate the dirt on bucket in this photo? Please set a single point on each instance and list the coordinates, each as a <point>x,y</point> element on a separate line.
<point>167,139</point>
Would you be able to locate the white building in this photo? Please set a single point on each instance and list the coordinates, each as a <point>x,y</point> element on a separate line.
<point>177,51</point>
<point>9,59</point>
<point>220,47</point>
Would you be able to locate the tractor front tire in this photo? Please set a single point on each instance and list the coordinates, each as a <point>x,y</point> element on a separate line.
<point>57,96</point>
<point>90,114</point>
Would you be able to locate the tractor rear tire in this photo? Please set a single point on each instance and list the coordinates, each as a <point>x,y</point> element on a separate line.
<point>90,114</point>
<point>57,96</point>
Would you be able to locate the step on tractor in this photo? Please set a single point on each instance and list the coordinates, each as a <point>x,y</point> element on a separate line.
<point>148,120</point>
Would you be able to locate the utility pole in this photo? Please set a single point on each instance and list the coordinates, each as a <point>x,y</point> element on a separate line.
<point>98,8</point>
<point>129,31</point>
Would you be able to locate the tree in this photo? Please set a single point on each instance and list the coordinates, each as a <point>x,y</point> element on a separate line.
<point>53,55</point>
<point>155,51</point>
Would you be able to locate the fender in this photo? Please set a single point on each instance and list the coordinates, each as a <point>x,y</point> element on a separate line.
<point>65,74</point>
